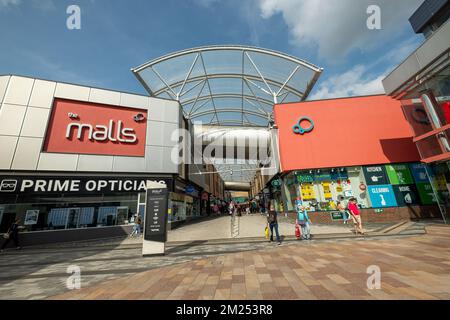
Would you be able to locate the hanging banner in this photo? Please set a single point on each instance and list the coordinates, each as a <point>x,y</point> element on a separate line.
<point>382,196</point>
<point>399,174</point>
<point>375,175</point>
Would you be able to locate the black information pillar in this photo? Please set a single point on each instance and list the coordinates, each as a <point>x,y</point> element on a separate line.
<point>156,215</point>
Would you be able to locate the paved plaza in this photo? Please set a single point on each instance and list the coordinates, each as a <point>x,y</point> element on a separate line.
<point>247,268</point>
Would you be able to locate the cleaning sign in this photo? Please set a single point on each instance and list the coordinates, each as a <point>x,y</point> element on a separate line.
<point>382,196</point>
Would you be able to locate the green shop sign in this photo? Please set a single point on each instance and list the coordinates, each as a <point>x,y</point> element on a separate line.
<point>399,174</point>
<point>426,193</point>
<point>305,178</point>
<point>337,215</point>
<point>378,210</point>
<point>276,183</point>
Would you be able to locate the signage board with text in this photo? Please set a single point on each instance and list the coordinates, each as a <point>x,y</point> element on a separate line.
<point>382,196</point>
<point>375,175</point>
<point>75,184</point>
<point>156,215</point>
<point>93,128</point>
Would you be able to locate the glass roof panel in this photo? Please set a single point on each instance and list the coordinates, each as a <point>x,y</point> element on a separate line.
<point>247,80</point>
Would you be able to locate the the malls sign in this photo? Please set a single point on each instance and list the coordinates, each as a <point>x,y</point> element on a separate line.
<point>91,128</point>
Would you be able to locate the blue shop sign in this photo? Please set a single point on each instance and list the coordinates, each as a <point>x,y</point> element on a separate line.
<point>419,172</point>
<point>192,191</point>
<point>382,196</point>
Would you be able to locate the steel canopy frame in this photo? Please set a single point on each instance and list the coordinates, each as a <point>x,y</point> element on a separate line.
<point>271,90</point>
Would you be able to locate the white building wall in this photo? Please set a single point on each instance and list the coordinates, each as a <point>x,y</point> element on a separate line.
<point>25,109</point>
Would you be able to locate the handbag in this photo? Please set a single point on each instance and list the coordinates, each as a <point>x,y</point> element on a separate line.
<point>298,233</point>
<point>6,236</point>
<point>267,233</point>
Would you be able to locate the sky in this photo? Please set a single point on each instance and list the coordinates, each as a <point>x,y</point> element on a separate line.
<point>117,35</point>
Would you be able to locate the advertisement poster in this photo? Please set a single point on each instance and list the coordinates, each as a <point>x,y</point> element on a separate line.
<point>426,193</point>
<point>308,191</point>
<point>327,190</point>
<point>31,217</point>
<point>419,172</point>
<point>375,175</point>
<point>406,195</point>
<point>382,196</point>
<point>399,174</point>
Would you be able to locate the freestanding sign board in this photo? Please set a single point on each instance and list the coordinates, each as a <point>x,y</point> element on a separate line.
<point>155,222</point>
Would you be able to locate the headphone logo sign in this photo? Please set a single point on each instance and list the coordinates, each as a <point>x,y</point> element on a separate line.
<point>298,129</point>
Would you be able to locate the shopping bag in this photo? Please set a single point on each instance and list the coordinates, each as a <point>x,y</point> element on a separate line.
<point>267,233</point>
<point>298,233</point>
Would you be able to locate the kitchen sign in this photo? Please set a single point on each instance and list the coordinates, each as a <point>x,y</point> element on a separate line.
<point>375,175</point>
<point>92,128</point>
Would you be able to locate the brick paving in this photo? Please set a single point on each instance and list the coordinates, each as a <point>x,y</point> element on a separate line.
<point>412,267</point>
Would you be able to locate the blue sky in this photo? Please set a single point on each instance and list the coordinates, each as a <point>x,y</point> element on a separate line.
<point>117,35</point>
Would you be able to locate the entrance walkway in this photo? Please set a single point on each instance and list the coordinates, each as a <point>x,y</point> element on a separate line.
<point>40,272</point>
<point>252,226</point>
<point>317,270</point>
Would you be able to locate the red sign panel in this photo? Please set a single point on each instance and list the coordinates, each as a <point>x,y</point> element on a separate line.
<point>92,128</point>
<point>343,132</point>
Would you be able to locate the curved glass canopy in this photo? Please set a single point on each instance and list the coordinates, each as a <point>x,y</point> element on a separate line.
<point>228,85</point>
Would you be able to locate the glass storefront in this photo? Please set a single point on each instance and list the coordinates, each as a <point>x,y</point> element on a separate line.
<point>56,212</point>
<point>379,186</point>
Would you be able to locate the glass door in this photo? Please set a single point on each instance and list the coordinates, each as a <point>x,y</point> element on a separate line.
<point>72,218</point>
<point>122,215</point>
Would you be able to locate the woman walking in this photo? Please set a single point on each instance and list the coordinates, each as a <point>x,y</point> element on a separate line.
<point>354,211</point>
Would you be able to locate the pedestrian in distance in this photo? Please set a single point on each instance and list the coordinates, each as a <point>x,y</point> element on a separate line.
<point>303,221</point>
<point>356,216</point>
<point>272,222</point>
<point>12,234</point>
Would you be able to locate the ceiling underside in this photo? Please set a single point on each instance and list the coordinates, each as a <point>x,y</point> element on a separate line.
<point>228,85</point>
<point>233,86</point>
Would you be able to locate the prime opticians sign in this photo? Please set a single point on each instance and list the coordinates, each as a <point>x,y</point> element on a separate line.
<point>43,185</point>
<point>92,128</point>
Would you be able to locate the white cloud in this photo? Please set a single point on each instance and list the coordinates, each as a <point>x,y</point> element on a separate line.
<point>7,3</point>
<point>364,79</point>
<point>336,27</point>
<point>355,82</point>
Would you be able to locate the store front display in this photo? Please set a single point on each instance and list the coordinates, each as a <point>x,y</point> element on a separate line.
<point>74,202</point>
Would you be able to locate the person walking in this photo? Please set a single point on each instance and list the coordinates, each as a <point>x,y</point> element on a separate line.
<point>136,227</point>
<point>354,211</point>
<point>340,206</point>
<point>303,221</point>
<point>272,222</point>
<point>12,234</point>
